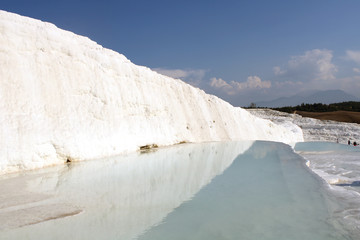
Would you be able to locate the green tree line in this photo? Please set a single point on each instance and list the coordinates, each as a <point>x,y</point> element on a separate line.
<point>319,107</point>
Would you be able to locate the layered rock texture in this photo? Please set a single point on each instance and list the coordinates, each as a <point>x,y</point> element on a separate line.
<point>63,98</point>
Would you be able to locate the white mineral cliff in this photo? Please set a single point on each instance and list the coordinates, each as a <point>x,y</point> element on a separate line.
<point>63,96</point>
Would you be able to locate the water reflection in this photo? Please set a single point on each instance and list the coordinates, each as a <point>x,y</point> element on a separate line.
<point>118,198</point>
<point>267,193</point>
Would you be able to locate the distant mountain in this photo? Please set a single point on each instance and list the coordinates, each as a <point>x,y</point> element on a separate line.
<point>325,97</point>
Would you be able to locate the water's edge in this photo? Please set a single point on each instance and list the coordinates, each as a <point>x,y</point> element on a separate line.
<point>238,189</point>
<point>343,201</point>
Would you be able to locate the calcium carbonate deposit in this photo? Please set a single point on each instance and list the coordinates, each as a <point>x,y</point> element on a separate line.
<point>313,129</point>
<point>63,98</point>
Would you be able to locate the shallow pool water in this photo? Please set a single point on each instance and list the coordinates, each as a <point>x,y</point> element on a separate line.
<point>229,190</point>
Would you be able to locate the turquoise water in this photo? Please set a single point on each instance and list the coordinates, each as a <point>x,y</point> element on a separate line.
<point>231,190</point>
<point>266,193</point>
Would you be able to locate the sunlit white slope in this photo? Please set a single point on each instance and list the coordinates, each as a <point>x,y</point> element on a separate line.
<point>62,96</point>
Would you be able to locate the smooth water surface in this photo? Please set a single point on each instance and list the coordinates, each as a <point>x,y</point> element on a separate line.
<point>231,190</point>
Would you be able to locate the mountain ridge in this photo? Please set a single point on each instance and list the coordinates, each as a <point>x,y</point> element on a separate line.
<point>325,97</point>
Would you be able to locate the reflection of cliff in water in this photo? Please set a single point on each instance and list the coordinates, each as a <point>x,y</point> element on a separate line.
<point>266,193</point>
<point>119,197</point>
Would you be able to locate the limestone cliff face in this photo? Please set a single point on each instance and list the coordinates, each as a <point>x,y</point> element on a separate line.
<point>63,96</point>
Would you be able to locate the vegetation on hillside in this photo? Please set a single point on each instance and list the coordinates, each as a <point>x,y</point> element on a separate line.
<point>319,107</point>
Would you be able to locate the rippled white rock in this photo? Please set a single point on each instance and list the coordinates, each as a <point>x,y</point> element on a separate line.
<point>63,96</point>
<point>313,129</point>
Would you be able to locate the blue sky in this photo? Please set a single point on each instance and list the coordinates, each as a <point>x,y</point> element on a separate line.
<point>241,51</point>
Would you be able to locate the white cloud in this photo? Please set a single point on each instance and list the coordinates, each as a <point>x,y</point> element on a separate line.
<point>289,84</point>
<point>314,65</point>
<point>278,71</point>
<point>356,70</point>
<point>251,83</point>
<point>350,85</point>
<point>219,83</point>
<point>232,88</point>
<point>191,76</point>
<point>353,56</point>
